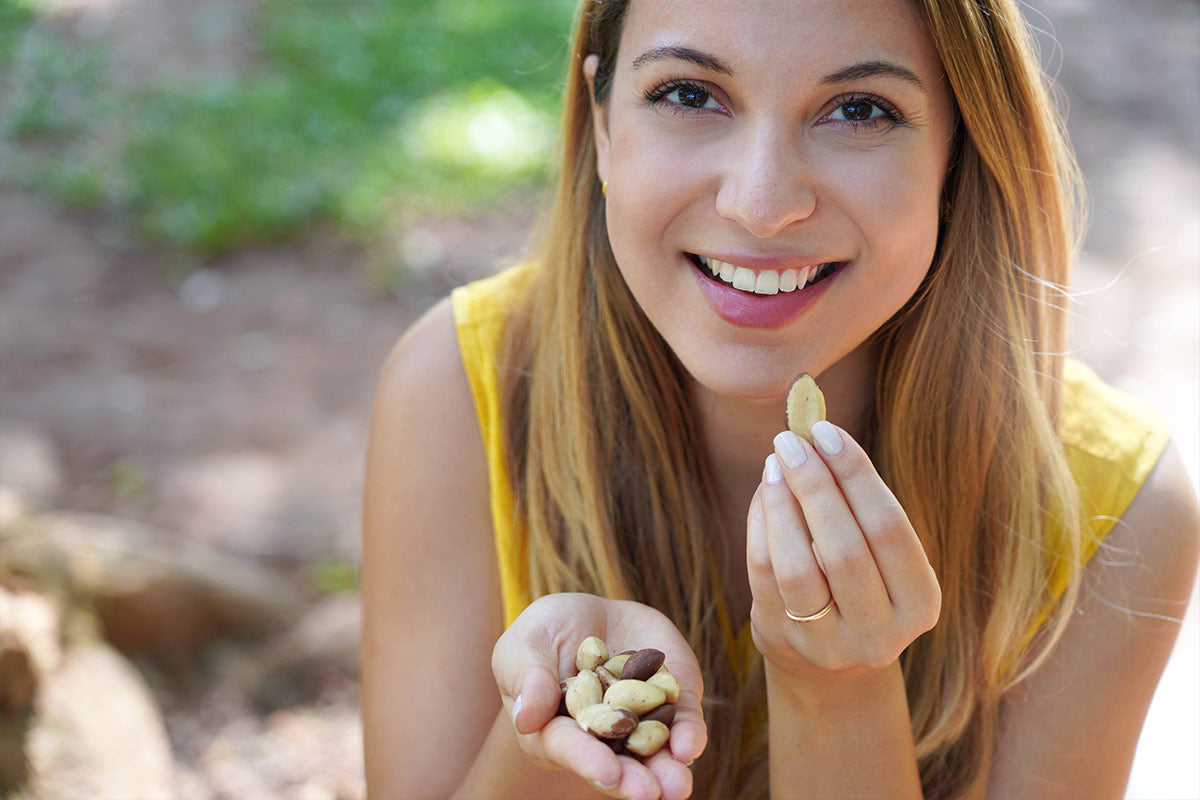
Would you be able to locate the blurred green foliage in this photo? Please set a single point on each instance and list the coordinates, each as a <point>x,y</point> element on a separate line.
<point>332,576</point>
<point>355,110</point>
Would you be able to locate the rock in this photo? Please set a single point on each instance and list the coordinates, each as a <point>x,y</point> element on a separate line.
<point>29,648</point>
<point>97,732</point>
<point>150,592</point>
<point>29,465</point>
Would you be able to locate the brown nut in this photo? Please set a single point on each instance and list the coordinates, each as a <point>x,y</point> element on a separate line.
<point>607,679</point>
<point>664,714</point>
<point>647,738</point>
<point>592,653</point>
<point>607,722</point>
<point>637,696</point>
<point>805,406</point>
<point>642,664</point>
<point>667,682</point>
<point>617,745</point>
<point>563,685</point>
<point>584,691</point>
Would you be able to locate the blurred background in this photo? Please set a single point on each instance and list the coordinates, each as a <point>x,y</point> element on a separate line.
<point>217,216</point>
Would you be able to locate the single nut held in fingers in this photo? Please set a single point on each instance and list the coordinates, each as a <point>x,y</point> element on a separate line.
<point>647,738</point>
<point>805,406</point>
<point>667,682</point>
<point>584,691</point>
<point>592,653</point>
<point>642,664</point>
<point>637,696</point>
<point>607,721</point>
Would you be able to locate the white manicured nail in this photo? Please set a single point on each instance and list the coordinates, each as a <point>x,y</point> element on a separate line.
<point>827,438</point>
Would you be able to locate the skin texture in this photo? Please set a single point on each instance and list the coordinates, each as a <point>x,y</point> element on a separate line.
<point>768,167</point>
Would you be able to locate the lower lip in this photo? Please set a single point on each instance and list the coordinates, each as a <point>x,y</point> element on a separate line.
<point>766,311</point>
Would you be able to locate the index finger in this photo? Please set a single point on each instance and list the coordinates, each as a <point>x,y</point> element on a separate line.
<point>899,554</point>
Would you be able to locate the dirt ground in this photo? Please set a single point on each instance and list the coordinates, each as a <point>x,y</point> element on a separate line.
<point>231,405</point>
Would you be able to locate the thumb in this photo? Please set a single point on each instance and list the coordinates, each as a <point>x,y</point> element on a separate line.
<point>537,699</point>
<point>527,676</point>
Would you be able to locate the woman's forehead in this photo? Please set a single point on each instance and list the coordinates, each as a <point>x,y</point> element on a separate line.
<point>781,34</point>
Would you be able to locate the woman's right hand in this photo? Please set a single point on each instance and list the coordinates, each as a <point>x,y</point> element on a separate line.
<point>538,650</point>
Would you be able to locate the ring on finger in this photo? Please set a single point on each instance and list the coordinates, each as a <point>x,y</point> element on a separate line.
<point>811,617</point>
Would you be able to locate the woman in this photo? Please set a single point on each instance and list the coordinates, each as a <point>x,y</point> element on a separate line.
<point>878,194</point>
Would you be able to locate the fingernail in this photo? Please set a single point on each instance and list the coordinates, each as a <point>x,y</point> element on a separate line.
<point>773,472</point>
<point>827,438</point>
<point>601,785</point>
<point>516,709</point>
<point>788,445</point>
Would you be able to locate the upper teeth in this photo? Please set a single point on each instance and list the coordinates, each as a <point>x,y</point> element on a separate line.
<point>767,281</point>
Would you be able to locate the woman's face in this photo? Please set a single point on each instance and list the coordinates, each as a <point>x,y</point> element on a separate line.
<point>785,139</point>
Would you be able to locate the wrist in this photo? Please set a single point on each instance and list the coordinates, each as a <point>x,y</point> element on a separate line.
<point>817,689</point>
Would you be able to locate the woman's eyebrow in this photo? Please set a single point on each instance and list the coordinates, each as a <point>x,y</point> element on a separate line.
<point>696,57</point>
<point>871,69</point>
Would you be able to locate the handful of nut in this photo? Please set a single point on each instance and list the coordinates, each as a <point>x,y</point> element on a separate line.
<point>627,701</point>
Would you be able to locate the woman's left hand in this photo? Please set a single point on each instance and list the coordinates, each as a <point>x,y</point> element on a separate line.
<point>822,528</point>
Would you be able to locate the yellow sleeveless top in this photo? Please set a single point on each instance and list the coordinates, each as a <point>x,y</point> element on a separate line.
<point>1111,441</point>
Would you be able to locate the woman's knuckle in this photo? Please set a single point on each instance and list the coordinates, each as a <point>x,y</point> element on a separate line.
<point>847,559</point>
<point>758,562</point>
<point>888,531</point>
<point>795,582</point>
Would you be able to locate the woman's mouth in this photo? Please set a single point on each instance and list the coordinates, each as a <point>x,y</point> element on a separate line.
<point>761,298</point>
<point>766,281</point>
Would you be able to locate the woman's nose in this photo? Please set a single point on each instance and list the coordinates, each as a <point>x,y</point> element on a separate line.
<point>768,187</point>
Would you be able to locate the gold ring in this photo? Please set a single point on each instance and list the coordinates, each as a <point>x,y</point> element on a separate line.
<point>811,617</point>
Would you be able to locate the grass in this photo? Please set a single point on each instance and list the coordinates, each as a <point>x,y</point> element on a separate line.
<point>355,112</point>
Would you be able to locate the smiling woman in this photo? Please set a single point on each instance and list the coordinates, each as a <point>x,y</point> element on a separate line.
<point>878,194</point>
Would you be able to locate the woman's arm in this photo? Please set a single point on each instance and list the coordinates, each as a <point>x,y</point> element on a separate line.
<point>839,718</point>
<point>431,589</point>
<point>1072,728</point>
<point>434,722</point>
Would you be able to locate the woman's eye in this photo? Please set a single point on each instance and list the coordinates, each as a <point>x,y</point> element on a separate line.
<point>858,111</point>
<point>685,95</point>
<point>690,96</point>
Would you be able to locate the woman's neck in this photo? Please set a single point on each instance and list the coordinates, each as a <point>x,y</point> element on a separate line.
<point>738,432</point>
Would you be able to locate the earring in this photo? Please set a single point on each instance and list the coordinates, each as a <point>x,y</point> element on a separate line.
<point>604,188</point>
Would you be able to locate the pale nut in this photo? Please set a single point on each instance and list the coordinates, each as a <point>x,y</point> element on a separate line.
<point>805,406</point>
<point>637,696</point>
<point>667,682</point>
<point>647,738</point>
<point>607,721</point>
<point>616,664</point>
<point>584,691</point>
<point>607,679</point>
<point>592,653</point>
<point>642,664</point>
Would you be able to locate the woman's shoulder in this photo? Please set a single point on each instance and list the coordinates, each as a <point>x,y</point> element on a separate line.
<point>438,356</point>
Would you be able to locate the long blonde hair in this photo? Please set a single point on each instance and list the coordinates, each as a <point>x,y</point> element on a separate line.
<point>612,486</point>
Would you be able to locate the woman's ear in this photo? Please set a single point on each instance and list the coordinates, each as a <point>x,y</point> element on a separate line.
<point>599,117</point>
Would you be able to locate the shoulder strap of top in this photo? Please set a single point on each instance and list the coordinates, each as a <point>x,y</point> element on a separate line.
<point>1112,442</point>
<point>482,310</point>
